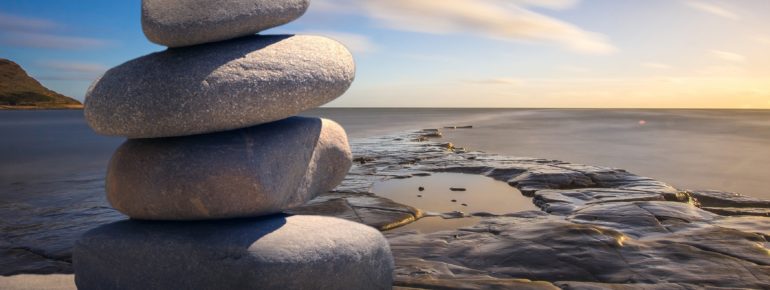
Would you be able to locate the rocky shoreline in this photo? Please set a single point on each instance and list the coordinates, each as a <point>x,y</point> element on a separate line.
<point>599,228</point>
<point>20,91</point>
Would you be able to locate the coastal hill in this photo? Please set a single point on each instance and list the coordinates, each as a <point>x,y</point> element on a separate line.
<point>20,91</point>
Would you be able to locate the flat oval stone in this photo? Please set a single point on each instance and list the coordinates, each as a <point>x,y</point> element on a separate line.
<point>243,173</point>
<point>276,252</point>
<point>218,87</point>
<point>177,23</point>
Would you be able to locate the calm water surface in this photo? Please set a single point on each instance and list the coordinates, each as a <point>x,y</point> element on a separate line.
<point>481,194</point>
<point>690,149</point>
<point>717,149</point>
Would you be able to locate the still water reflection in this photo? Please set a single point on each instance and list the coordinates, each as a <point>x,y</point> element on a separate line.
<point>482,194</point>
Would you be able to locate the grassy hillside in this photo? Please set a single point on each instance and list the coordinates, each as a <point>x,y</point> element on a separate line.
<point>20,91</point>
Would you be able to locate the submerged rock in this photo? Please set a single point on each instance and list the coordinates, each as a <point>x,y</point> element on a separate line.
<point>458,127</point>
<point>564,202</point>
<point>363,159</point>
<point>249,172</point>
<point>641,218</point>
<point>276,252</point>
<point>218,86</point>
<point>430,133</point>
<point>448,146</point>
<point>453,215</point>
<point>730,203</point>
<point>378,212</point>
<point>481,282</point>
<point>178,23</point>
<point>553,249</point>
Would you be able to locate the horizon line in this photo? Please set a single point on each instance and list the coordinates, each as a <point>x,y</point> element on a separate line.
<point>557,108</point>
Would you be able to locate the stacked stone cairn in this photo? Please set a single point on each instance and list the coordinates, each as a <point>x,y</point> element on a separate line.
<point>214,156</point>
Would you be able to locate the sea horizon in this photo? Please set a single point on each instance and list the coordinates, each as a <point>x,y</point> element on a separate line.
<point>543,135</point>
<point>491,108</point>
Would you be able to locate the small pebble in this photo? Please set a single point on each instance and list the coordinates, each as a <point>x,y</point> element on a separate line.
<point>454,200</point>
<point>419,195</point>
<point>464,204</point>
<point>421,188</point>
<point>457,189</point>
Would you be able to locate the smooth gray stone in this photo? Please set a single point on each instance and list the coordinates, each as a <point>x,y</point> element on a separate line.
<point>176,23</point>
<point>218,87</point>
<point>243,173</point>
<point>276,252</point>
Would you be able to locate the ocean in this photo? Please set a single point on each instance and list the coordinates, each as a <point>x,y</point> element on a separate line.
<point>690,149</point>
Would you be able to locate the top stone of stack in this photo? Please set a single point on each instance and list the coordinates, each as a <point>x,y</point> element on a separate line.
<point>223,77</point>
<point>178,23</point>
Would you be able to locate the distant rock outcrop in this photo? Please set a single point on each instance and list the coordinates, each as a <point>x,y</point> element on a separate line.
<point>20,91</point>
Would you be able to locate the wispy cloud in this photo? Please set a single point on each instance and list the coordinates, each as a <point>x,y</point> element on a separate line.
<point>637,92</point>
<point>426,57</point>
<point>334,6</point>
<point>77,78</point>
<point>60,70</point>
<point>356,43</point>
<point>73,66</point>
<point>497,19</point>
<point>713,9</point>
<point>728,56</point>
<point>29,32</point>
<point>574,69</point>
<point>656,65</point>
<point>497,81</point>
<point>9,22</point>
<point>722,71</point>
<point>50,41</point>
<point>552,4</point>
<point>762,39</point>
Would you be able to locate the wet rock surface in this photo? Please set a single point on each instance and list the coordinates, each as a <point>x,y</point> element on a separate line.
<point>365,208</point>
<point>605,228</point>
<point>555,249</point>
<point>600,228</point>
<point>730,203</point>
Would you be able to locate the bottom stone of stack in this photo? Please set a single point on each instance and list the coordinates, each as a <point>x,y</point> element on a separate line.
<point>274,252</point>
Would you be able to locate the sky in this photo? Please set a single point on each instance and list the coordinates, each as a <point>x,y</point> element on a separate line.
<point>460,53</point>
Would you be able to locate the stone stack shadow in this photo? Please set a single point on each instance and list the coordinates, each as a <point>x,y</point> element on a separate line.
<point>214,157</point>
